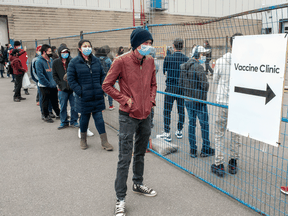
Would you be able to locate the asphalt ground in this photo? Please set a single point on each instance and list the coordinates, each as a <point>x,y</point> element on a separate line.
<point>44,172</point>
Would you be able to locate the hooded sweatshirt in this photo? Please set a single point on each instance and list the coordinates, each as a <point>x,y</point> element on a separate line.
<point>59,70</point>
<point>222,78</point>
<point>44,73</point>
<point>193,80</point>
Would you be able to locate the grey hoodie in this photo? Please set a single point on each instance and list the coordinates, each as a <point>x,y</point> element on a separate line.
<point>193,80</point>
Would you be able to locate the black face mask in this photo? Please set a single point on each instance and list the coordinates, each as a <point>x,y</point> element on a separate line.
<point>49,55</point>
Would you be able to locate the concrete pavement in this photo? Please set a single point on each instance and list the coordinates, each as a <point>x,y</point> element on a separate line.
<point>44,172</point>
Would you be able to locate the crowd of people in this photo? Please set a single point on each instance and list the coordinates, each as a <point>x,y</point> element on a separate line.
<point>86,79</point>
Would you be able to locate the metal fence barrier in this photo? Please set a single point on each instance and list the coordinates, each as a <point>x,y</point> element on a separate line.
<point>262,168</point>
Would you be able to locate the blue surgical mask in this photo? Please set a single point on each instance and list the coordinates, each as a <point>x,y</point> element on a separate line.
<point>64,55</point>
<point>87,51</point>
<point>145,50</point>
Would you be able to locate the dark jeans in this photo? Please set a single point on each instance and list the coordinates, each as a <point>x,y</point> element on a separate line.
<point>195,109</point>
<point>98,120</point>
<point>40,100</point>
<point>168,105</point>
<point>64,97</point>
<point>49,94</point>
<point>207,65</point>
<point>18,85</point>
<point>127,128</point>
<point>1,72</point>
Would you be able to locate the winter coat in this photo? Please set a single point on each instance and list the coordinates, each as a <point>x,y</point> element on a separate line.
<point>17,65</point>
<point>193,80</point>
<point>33,69</point>
<point>171,65</point>
<point>59,71</point>
<point>86,81</point>
<point>137,84</point>
<point>221,77</point>
<point>44,73</point>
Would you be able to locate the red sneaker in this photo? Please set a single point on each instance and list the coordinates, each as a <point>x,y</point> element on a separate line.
<point>111,107</point>
<point>37,103</point>
<point>284,190</point>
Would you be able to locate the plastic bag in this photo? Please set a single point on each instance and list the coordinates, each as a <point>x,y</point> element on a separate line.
<point>26,82</point>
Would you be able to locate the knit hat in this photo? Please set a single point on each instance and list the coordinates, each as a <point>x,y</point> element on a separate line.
<point>139,36</point>
<point>17,43</point>
<point>38,48</point>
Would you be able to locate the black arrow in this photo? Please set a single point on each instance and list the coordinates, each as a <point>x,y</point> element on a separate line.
<point>269,94</point>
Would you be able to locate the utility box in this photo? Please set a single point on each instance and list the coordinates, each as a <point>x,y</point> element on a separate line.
<point>159,5</point>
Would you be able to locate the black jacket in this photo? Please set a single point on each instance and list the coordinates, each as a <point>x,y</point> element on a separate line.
<point>59,71</point>
<point>193,80</point>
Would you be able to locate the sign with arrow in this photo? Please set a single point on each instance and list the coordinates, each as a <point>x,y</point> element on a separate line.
<point>257,74</point>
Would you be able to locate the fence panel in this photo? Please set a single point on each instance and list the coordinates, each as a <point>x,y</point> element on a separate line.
<point>262,169</point>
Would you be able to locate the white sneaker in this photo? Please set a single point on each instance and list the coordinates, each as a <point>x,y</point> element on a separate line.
<point>165,136</point>
<point>89,133</point>
<point>179,134</point>
<point>120,208</point>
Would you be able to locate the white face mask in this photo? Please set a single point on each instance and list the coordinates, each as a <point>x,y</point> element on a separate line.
<point>202,60</point>
<point>145,50</point>
<point>39,53</point>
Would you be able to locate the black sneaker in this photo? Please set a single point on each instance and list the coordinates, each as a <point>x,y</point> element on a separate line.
<point>51,115</point>
<point>218,170</point>
<point>120,208</point>
<point>232,166</point>
<point>144,190</point>
<point>193,153</point>
<point>207,152</point>
<point>57,117</point>
<point>48,119</point>
<point>42,117</point>
<point>21,98</point>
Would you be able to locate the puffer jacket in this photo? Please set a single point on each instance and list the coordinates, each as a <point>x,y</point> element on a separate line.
<point>86,81</point>
<point>137,84</point>
<point>193,80</point>
<point>59,70</point>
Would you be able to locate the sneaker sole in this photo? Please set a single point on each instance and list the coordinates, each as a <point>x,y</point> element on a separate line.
<point>179,137</point>
<point>107,149</point>
<point>148,195</point>
<point>220,174</point>
<point>284,192</point>
<point>60,128</point>
<point>233,172</point>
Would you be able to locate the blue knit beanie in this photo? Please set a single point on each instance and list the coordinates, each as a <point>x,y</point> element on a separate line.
<point>139,36</point>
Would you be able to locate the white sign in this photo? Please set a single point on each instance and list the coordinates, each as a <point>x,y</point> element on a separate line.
<point>256,86</point>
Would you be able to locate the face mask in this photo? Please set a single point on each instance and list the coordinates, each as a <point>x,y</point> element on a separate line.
<point>64,55</point>
<point>19,47</point>
<point>145,50</point>
<point>204,44</point>
<point>86,51</point>
<point>202,60</point>
<point>39,53</point>
<point>49,55</point>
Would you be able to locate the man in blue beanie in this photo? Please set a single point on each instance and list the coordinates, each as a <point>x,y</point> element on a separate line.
<point>136,73</point>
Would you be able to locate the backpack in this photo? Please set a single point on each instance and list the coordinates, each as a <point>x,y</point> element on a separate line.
<point>104,64</point>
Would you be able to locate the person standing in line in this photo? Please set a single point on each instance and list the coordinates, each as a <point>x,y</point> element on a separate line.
<point>85,77</point>
<point>18,71</point>
<point>106,64</point>
<point>54,53</point>
<point>208,58</point>
<point>136,73</point>
<point>23,58</point>
<point>222,79</point>
<point>65,93</point>
<point>2,60</point>
<point>171,66</point>
<point>46,83</point>
<point>194,84</point>
<point>9,68</point>
<point>120,51</point>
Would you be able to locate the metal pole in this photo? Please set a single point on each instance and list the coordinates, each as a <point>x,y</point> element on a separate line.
<point>36,43</point>
<point>49,41</point>
<point>81,35</point>
<point>133,14</point>
<point>226,48</point>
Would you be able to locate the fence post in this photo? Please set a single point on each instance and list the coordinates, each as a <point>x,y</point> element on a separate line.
<point>49,41</point>
<point>36,43</point>
<point>81,35</point>
<point>21,43</point>
<point>226,48</point>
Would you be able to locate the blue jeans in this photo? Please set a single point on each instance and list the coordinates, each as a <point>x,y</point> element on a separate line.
<point>98,120</point>
<point>195,109</point>
<point>63,99</point>
<point>110,99</point>
<point>127,128</point>
<point>40,100</point>
<point>168,105</point>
